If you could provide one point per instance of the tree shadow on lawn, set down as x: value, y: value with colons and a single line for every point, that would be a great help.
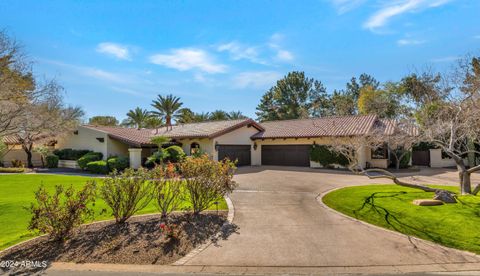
x: 139, y: 241
x: 419, y: 229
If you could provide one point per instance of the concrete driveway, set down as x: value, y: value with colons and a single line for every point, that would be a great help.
x: 281, y: 224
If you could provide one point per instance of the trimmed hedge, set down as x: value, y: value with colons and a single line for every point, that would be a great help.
x: 119, y: 163
x: 326, y: 157
x: 89, y: 157
x: 175, y: 154
x: 70, y: 154
x: 99, y: 167
x: 12, y: 170
x: 52, y: 161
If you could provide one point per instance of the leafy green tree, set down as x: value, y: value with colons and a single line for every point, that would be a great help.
x: 167, y: 108
x: 201, y: 117
x: 295, y: 96
x: 103, y: 121
x: 343, y: 104
x: 153, y: 122
x: 376, y: 101
x: 138, y: 117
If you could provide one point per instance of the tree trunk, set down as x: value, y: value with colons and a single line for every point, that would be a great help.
x: 29, y: 158
x: 465, y: 183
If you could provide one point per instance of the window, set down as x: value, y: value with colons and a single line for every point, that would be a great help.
x: 194, y: 148
x: 380, y: 153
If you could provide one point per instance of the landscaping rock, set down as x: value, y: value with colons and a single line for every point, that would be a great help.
x: 445, y: 196
x: 427, y: 202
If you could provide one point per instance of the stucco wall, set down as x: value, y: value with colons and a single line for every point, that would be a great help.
x: 206, y: 145
x: 19, y: 154
x: 116, y: 148
x: 85, y: 140
x: 436, y: 160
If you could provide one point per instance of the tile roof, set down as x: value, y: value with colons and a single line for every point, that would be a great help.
x: 141, y: 137
x: 318, y: 127
x: 15, y: 139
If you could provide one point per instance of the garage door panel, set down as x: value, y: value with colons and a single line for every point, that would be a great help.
x: 241, y: 153
x: 286, y: 155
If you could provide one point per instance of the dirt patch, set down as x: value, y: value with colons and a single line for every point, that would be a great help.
x: 139, y: 241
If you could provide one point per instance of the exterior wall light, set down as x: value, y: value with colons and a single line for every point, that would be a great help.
x: 255, y: 146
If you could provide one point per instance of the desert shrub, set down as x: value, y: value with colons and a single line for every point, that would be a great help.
x: 43, y: 151
x: 404, y: 162
x: 206, y: 181
x: 11, y: 170
x: 127, y: 193
x: 89, y: 157
x: 175, y: 154
x: 167, y: 188
x: 17, y: 163
x: 327, y: 157
x: 70, y: 154
x: 99, y: 167
x: 157, y: 157
x: 119, y: 163
x: 52, y: 161
x: 59, y: 213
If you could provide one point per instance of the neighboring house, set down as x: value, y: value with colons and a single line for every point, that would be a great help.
x: 283, y: 143
x: 15, y: 152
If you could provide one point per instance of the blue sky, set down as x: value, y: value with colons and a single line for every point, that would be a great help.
x: 112, y: 56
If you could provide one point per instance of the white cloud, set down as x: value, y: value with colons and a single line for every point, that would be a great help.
x: 187, y: 59
x: 113, y: 49
x: 281, y: 54
x: 260, y: 79
x: 395, y: 8
x: 343, y: 6
x: 407, y: 42
x: 239, y: 51
x: 445, y: 59
x: 284, y: 55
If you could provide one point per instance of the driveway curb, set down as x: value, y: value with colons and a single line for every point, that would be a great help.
x: 430, y: 243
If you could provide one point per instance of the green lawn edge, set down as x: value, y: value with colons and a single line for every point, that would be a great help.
x: 451, y: 225
x: 18, y: 192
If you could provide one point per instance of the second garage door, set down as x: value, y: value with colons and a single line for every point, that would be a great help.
x: 241, y: 153
x: 286, y: 155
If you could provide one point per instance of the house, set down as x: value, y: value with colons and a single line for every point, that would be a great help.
x: 283, y: 143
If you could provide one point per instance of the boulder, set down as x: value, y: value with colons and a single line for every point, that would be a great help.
x: 427, y: 202
x: 445, y: 196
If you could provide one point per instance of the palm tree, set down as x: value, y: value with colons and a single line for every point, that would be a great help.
x: 218, y: 115
x: 167, y: 107
x: 202, y: 117
x: 234, y: 115
x: 138, y: 117
x: 153, y: 122
x: 186, y: 116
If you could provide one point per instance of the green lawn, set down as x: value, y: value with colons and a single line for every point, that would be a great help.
x: 390, y: 206
x: 17, y: 191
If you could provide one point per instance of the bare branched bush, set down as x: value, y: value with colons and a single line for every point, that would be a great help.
x: 127, y: 193
x: 58, y: 214
x: 207, y: 181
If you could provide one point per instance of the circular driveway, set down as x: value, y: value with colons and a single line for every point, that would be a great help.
x: 281, y: 224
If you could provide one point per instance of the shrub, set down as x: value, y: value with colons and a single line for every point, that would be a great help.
x: 157, y: 157
x: 126, y: 193
x: 17, y: 163
x: 70, y: 154
x: 89, y: 157
x: 59, y: 213
x: 118, y: 163
x: 327, y: 157
x: 404, y: 162
x: 12, y: 170
x: 175, y: 154
x: 52, y: 161
x: 99, y: 167
x: 167, y: 188
x: 206, y: 181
